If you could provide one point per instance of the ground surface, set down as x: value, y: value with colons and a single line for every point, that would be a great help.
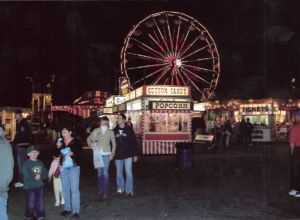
x: 234, y: 184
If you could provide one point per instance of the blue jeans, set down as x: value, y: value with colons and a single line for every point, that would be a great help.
x: 3, y: 207
x: 21, y: 158
x: 34, y: 203
x: 70, y: 188
x: 128, y: 185
x: 103, y: 176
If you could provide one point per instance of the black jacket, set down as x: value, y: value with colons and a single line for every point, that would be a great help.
x: 77, y: 150
x: 126, y: 144
x: 22, y: 138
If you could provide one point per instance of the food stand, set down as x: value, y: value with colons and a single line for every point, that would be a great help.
x: 161, y: 116
x: 264, y: 114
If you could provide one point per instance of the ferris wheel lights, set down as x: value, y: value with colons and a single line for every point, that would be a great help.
x: 162, y: 20
x: 171, y: 48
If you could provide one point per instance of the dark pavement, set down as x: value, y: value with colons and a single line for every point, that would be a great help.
x: 232, y: 184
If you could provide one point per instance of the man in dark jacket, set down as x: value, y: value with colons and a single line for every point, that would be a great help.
x: 21, y: 143
x: 127, y: 150
x: 249, y: 132
x: 6, y: 173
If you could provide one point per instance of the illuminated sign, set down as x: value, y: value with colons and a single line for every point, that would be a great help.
x: 200, y: 107
x: 122, y: 107
x: 167, y: 91
x: 171, y: 105
x: 134, y: 105
x: 257, y: 109
x: 107, y: 110
x: 139, y: 92
x: 114, y: 100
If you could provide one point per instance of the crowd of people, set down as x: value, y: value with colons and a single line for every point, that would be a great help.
x: 227, y: 134
x: 118, y: 144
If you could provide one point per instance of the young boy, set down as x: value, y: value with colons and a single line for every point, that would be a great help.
x: 34, y: 172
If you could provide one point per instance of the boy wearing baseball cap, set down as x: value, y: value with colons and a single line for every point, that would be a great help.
x: 34, y: 172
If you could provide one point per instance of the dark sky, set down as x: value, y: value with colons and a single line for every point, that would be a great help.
x: 80, y: 43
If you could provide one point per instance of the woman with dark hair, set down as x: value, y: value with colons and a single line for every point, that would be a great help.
x: 71, y: 154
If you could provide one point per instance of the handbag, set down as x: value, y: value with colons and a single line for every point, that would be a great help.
x: 98, y: 161
x: 56, y: 174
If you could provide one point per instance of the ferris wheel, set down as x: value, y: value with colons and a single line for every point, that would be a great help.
x: 171, y: 48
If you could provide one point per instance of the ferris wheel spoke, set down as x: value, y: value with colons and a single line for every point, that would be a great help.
x: 196, y: 76
x: 177, y: 78
x: 196, y: 51
x: 141, y: 56
x: 147, y: 47
x: 177, y: 37
x: 181, y: 77
x: 170, y: 36
x: 160, y: 33
x: 161, y: 48
x: 200, y: 59
x: 147, y: 66
x: 163, y: 73
x: 191, y: 81
x: 150, y: 75
x: 187, y: 34
x: 181, y: 54
x: 198, y: 68
x: 157, y: 71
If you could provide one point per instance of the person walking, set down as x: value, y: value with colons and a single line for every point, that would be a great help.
x: 71, y: 153
x: 243, y: 133
x: 21, y: 143
x: 127, y: 151
x: 249, y: 128
x: 102, y: 141
x: 295, y: 157
x: 34, y: 173
x: 227, y: 133
x: 6, y: 172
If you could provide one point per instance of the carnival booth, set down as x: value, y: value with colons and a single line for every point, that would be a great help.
x: 161, y: 116
x: 264, y: 114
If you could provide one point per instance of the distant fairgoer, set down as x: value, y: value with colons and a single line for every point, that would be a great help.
x: 295, y: 157
x: 129, y: 123
x: 249, y: 129
x: 243, y: 133
x: 227, y: 133
x: 21, y: 143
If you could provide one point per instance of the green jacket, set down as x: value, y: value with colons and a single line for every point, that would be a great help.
x: 105, y: 140
x: 29, y: 169
x: 6, y: 165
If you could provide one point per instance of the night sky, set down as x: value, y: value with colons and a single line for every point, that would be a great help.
x: 80, y: 43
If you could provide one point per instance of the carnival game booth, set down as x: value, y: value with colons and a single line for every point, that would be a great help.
x: 160, y: 115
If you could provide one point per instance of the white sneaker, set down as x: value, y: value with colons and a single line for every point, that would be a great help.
x: 292, y: 192
x: 62, y: 202
x: 18, y: 185
x: 297, y: 195
x: 120, y: 191
x: 56, y: 204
